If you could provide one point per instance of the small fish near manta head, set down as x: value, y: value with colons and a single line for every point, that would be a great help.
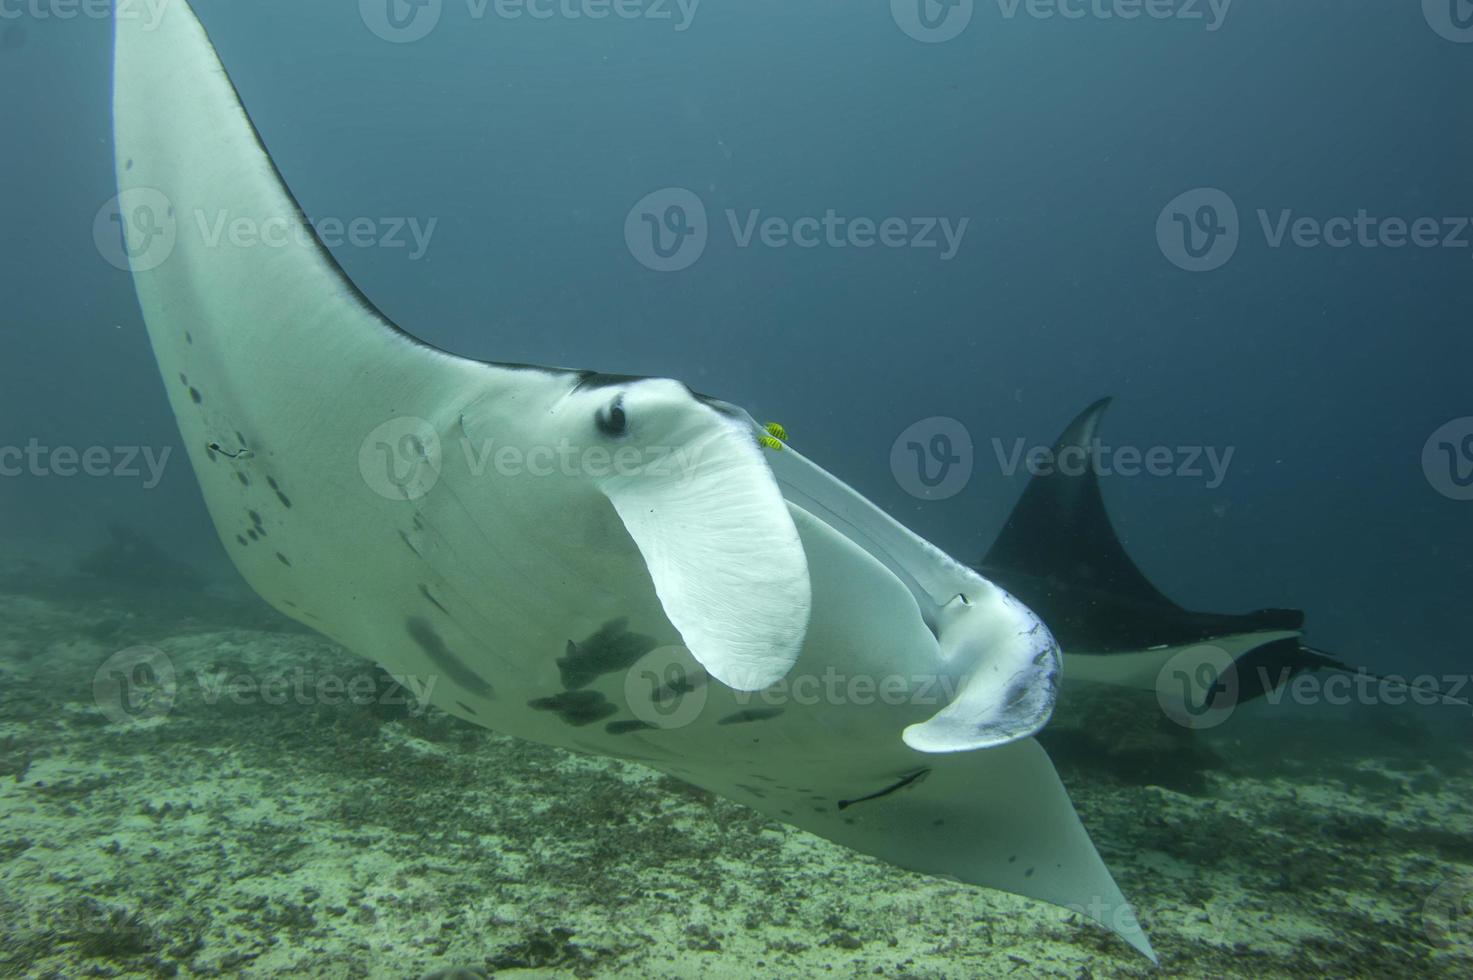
x: 414, y: 506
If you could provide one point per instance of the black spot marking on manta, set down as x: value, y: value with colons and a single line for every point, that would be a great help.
x: 285, y: 500
x: 184, y: 379
x: 253, y: 534
x: 288, y: 603
x: 625, y: 727
x: 188, y: 337
x: 749, y: 714
x: 612, y: 648
x: 242, y: 539
x: 129, y: 164
x: 465, y: 707
x: 425, y: 591
x: 1029, y: 873
x: 938, y: 823
x: 682, y: 685
x: 434, y: 647
x: 283, y: 559
x: 255, y: 517
x: 196, y: 397
x: 577, y: 708
x: 914, y: 777
x: 245, y: 481
x: 1012, y: 858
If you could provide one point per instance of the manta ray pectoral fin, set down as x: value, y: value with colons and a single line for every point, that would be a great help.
x: 716, y: 536
x: 1010, y: 668
x: 999, y: 819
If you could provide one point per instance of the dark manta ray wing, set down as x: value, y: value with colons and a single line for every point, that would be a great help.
x: 1059, y: 553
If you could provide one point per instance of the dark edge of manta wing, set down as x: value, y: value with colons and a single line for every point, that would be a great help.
x: 586, y: 378
x: 1060, y: 554
x: 334, y: 265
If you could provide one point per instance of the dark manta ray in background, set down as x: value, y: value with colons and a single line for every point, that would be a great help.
x: 1059, y: 553
x: 650, y: 613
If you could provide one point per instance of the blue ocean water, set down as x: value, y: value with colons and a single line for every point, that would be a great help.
x: 1060, y: 140
x: 874, y: 222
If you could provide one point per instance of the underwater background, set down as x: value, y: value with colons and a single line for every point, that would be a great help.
x: 1071, y: 150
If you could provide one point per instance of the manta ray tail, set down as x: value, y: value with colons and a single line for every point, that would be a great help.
x: 1321, y: 660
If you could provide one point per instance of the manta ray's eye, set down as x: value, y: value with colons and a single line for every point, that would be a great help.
x: 613, y: 420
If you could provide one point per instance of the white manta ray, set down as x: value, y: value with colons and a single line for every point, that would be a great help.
x: 686, y: 593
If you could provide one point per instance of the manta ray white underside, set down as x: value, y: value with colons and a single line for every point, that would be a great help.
x: 729, y: 614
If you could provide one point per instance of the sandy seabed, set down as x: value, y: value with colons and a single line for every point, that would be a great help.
x: 339, y: 831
